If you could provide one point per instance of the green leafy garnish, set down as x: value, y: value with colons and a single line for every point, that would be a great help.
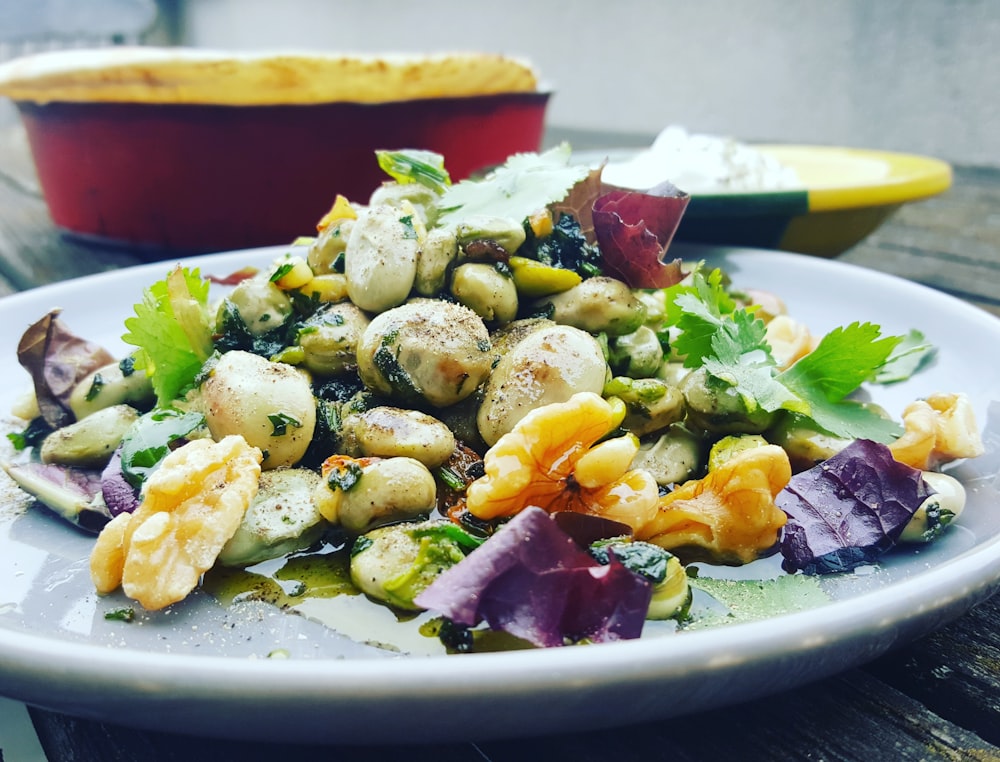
x: 413, y: 166
x: 172, y: 330
x: 280, y: 423
x: 344, y: 475
x: 731, y: 344
x: 281, y: 271
x: 699, y: 310
x: 527, y: 183
x: 95, y: 387
x: 451, y: 479
x: 844, y: 359
x: 32, y: 436
x: 909, y: 356
x: 148, y: 441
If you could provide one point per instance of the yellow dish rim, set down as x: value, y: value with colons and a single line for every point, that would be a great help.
x: 909, y: 177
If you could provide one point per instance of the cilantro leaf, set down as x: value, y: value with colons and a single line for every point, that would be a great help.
x: 171, y: 329
x: 526, y: 183
x: 731, y: 345
x: 697, y: 309
x: 909, y: 356
x: 843, y: 360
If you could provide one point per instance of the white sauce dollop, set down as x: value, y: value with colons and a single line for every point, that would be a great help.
x: 701, y: 164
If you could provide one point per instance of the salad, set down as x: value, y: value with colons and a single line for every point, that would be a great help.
x: 497, y: 402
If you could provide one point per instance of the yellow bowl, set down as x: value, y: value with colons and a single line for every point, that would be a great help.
x: 847, y: 194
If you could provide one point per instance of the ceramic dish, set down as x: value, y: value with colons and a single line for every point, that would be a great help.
x: 190, y: 150
x: 847, y: 194
x: 202, y: 668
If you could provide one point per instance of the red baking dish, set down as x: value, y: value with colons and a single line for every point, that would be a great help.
x: 194, y: 177
x: 203, y: 177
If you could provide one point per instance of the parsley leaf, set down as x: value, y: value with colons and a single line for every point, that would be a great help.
x: 843, y: 360
x: 698, y: 310
x: 910, y: 355
x: 731, y: 345
x: 171, y: 329
x: 527, y: 183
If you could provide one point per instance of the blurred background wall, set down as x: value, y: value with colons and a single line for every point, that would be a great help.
x: 909, y: 75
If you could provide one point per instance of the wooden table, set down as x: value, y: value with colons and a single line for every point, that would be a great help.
x: 936, y: 698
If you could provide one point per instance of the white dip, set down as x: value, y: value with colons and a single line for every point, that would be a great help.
x: 701, y: 164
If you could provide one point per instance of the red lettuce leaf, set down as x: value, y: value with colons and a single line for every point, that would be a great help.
x: 119, y: 495
x: 71, y: 493
x: 848, y: 510
x: 533, y: 581
x: 634, y: 230
x: 57, y: 361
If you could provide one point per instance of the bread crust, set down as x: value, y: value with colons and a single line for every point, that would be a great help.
x: 196, y: 76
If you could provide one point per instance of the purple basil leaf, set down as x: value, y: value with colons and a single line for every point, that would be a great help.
x: 531, y: 580
x: 586, y: 528
x: 72, y: 493
x: 634, y: 230
x: 57, y: 361
x: 119, y: 495
x: 848, y: 510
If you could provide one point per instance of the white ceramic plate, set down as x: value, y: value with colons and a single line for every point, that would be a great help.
x: 201, y: 668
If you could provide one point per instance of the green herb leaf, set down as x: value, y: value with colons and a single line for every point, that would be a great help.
x: 344, y: 476
x: 844, y: 359
x: 698, y: 310
x: 172, y: 330
x: 413, y: 166
x: 280, y: 423
x: 281, y: 271
x: 527, y: 183
x: 148, y: 441
x: 909, y: 356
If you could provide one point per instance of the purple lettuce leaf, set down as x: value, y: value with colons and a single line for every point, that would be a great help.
x: 634, y: 230
x: 119, y: 495
x: 72, y: 493
x: 533, y: 581
x: 57, y: 361
x: 848, y: 510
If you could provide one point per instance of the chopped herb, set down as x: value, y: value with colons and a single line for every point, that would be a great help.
x: 120, y: 615
x: 451, y: 479
x: 280, y: 423
x: 149, y: 439
x: 32, y: 436
x: 127, y: 366
x: 95, y: 388
x: 344, y: 476
x: 281, y: 271
x: 411, y: 232
x: 360, y: 545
